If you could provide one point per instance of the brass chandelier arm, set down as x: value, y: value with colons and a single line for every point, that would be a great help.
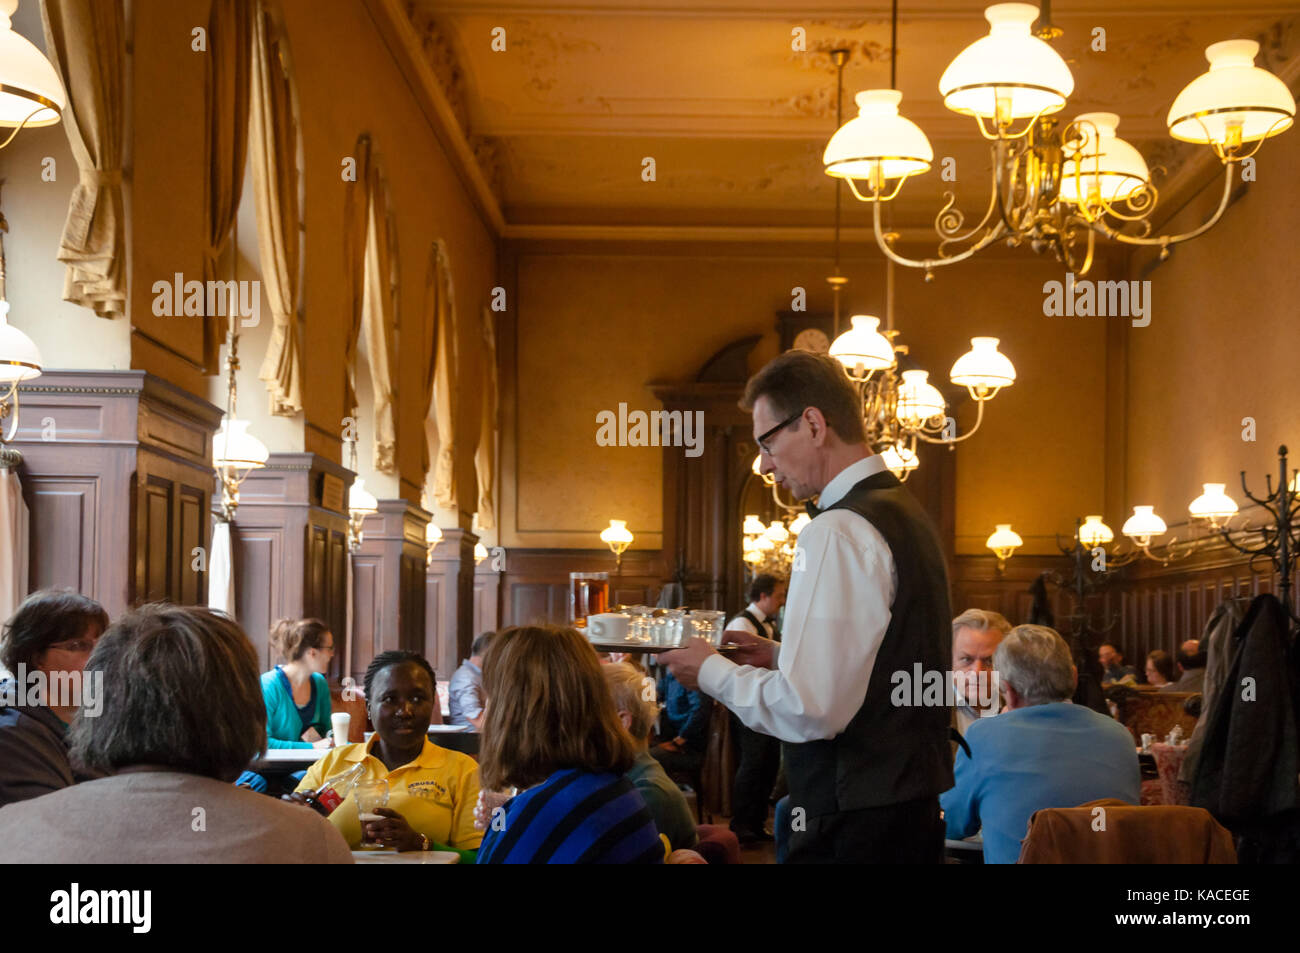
x: 1166, y: 240
x: 930, y: 263
x: 979, y: 419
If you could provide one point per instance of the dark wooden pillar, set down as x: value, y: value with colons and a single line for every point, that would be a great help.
x: 388, y: 584
x: 449, y: 602
x: 117, y: 474
x: 291, y: 550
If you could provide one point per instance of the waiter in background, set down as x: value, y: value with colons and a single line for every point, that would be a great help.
x: 868, y: 598
x: 760, y: 754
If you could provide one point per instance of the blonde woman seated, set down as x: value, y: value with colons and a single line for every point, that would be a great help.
x: 551, y: 731
x: 432, y: 791
x: 638, y: 707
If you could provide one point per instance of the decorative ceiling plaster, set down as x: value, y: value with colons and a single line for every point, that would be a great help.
x: 736, y: 120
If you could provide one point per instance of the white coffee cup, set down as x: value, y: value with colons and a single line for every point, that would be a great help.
x: 608, y: 627
x: 341, y: 722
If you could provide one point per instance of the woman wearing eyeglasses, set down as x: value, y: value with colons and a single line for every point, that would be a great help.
x: 45, y: 647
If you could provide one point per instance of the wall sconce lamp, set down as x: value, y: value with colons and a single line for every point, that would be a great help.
x: 617, y: 537
x: 1004, y: 542
x: 361, y: 503
x: 432, y: 537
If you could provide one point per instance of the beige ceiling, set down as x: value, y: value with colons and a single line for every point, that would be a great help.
x: 736, y: 121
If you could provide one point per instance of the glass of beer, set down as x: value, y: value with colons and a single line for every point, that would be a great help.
x: 588, y: 595
x: 371, y: 794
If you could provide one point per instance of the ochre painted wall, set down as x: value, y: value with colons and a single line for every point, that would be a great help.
x: 1223, y: 345
x: 593, y: 329
x: 339, y: 98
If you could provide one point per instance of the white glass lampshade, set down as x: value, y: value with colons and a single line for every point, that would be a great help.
x: 1094, y: 532
x: 748, y: 544
x: 432, y: 534
x: 764, y: 544
x: 20, y: 360
x: 777, y: 532
x: 1104, y: 166
x: 1004, y: 540
x: 1232, y: 94
x: 862, y: 349
x: 616, y: 534
x: 28, y: 81
x: 1143, y: 524
x: 753, y: 525
x: 918, y: 399
x: 1010, y: 68
x: 1213, y: 504
x: 798, y: 523
x: 878, y: 138
x: 983, y: 367
x: 361, y: 500
x: 753, y: 557
x: 233, y: 446
x: 480, y: 553
x: 899, y: 460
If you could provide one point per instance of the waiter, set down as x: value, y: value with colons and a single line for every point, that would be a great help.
x: 868, y: 598
x: 760, y: 754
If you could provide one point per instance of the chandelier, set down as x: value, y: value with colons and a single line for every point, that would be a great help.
x: 771, y: 548
x: 900, y: 406
x: 1056, y: 187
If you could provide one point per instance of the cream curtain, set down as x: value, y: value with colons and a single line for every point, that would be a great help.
x: 85, y: 40
x: 226, y: 92
x: 356, y: 219
x: 221, y: 570
x: 440, y: 408
x: 379, y: 325
x: 486, y: 454
x: 273, y: 146
x: 14, y: 539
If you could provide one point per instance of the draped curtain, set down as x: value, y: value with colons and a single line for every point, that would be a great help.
x: 226, y: 95
x: 379, y: 324
x: 485, y: 455
x: 273, y: 147
x: 221, y: 570
x: 85, y: 40
x: 356, y: 218
x: 440, y: 377
x: 14, y: 541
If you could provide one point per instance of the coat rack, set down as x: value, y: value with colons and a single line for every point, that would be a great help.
x: 1281, y: 536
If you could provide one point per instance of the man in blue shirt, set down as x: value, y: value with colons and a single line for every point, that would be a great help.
x: 1042, y: 751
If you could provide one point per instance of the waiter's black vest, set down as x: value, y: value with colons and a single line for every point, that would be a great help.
x: 888, y: 754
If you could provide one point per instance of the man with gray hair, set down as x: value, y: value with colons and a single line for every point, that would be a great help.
x: 976, y: 634
x: 1042, y: 751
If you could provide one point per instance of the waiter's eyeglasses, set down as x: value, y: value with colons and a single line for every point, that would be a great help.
x: 765, y: 437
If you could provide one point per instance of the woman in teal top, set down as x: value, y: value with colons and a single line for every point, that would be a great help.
x: 296, y: 694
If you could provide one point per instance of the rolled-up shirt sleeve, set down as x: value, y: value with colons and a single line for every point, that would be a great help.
x: 836, y: 617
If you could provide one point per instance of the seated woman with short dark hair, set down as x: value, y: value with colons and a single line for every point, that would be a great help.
x: 182, y: 716
x: 432, y: 791
x: 550, y: 729
x: 45, y: 644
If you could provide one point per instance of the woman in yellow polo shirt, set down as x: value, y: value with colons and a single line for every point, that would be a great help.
x: 432, y: 791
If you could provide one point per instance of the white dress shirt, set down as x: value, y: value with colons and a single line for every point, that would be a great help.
x: 836, y: 614
x: 744, y: 625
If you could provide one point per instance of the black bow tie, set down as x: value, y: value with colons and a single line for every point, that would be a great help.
x: 811, y: 508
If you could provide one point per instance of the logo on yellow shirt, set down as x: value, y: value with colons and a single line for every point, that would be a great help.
x: 434, y: 791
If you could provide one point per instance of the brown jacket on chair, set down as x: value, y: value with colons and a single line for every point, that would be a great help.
x: 1126, y: 834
